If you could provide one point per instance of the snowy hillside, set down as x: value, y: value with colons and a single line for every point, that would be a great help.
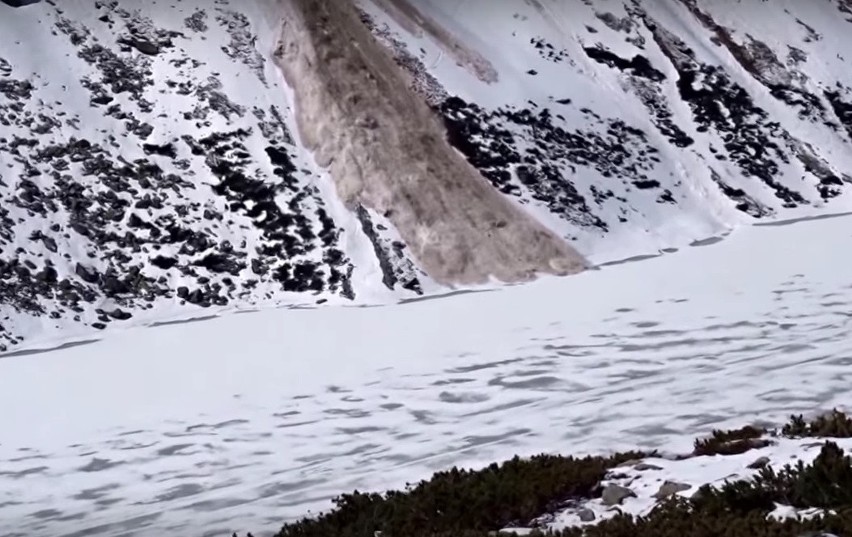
x: 156, y: 163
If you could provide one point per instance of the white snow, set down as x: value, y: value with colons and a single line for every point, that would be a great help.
x: 243, y: 421
x: 696, y: 472
x: 501, y: 33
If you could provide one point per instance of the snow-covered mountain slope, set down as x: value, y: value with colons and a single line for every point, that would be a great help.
x: 638, y: 123
x: 154, y: 161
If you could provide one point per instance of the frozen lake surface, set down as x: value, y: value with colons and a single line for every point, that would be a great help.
x: 244, y: 421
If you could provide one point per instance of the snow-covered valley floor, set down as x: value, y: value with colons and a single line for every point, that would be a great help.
x: 243, y: 421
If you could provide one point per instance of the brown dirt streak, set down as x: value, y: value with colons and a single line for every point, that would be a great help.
x: 386, y: 150
x: 415, y: 22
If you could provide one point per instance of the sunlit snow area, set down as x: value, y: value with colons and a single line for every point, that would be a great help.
x: 208, y: 324
x: 244, y: 421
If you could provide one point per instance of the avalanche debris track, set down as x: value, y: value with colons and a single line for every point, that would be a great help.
x: 386, y: 150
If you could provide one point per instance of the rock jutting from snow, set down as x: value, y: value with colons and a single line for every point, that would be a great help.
x: 615, y: 494
x: 670, y: 488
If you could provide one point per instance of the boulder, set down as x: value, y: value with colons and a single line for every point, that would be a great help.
x: 760, y: 462
x: 586, y: 515
x: 615, y: 494
x: 670, y: 488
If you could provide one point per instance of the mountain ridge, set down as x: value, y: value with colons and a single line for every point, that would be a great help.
x: 153, y: 165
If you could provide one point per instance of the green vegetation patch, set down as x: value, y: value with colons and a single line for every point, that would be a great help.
x: 835, y: 424
x: 732, y: 442
x: 461, y: 500
x: 465, y: 503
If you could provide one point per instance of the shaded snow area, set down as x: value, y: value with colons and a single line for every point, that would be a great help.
x: 156, y: 165
x: 243, y: 421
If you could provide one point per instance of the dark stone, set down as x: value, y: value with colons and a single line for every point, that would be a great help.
x: 86, y: 273
x: 120, y: 314
x: 638, y: 65
x: 164, y: 150
x: 20, y: 3
x: 144, y: 46
x: 615, y: 494
x: 163, y: 262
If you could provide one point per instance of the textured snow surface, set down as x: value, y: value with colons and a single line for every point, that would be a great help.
x: 246, y: 420
x: 151, y: 168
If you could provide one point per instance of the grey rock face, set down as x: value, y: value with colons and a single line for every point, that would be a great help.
x: 586, y: 515
x: 670, y: 488
x: 615, y: 494
x: 761, y: 462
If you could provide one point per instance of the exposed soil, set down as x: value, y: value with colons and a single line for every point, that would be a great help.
x: 386, y: 150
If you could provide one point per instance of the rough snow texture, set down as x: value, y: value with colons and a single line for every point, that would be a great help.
x: 151, y: 166
x: 244, y: 421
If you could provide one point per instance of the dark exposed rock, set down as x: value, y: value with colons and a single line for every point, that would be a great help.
x: 842, y: 109
x: 638, y: 65
x: 397, y: 268
x: 20, y: 3
x: 489, y: 140
x: 744, y: 202
x: 721, y: 104
x: 670, y: 488
x: 197, y: 22
x: 16, y: 89
x: 86, y: 273
x: 242, y: 45
x: 586, y: 515
x: 163, y: 262
x: 120, y: 315
x: 144, y: 46
x: 760, y: 462
x: 165, y: 150
x: 615, y: 494
x: 220, y: 263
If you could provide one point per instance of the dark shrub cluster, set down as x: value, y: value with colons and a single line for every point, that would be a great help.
x: 454, y: 501
x: 826, y: 484
x: 732, y: 442
x: 464, y: 503
x: 835, y: 424
x: 676, y: 518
